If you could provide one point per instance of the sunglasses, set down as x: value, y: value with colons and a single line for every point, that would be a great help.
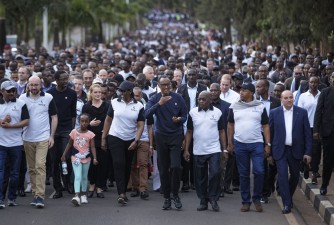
x: 13, y: 90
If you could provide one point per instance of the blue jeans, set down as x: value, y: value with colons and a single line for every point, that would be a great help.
x: 245, y: 152
x: 207, y: 170
x: 15, y: 154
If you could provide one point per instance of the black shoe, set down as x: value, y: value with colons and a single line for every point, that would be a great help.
x: 177, y: 202
x: 21, y: 193
x: 58, y: 194
x: 185, y: 188
x: 228, y: 191
x: 90, y: 194
x: 286, y: 210
x: 214, y: 205
x: 70, y: 189
x: 235, y: 189
x: 202, y: 207
x: 222, y: 194
x: 323, y: 190
x: 135, y: 193
x: 264, y: 200
x: 167, y: 204
x: 144, y: 195
x: 100, y: 195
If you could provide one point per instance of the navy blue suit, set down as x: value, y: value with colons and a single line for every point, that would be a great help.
x: 289, y: 156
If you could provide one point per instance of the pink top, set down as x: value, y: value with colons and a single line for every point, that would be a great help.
x: 81, y: 143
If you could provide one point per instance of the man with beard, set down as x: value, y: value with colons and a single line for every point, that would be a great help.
x: 66, y: 100
x: 39, y: 136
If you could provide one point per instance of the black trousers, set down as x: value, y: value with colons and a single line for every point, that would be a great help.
x: 270, y: 172
x: 122, y: 159
x: 169, y: 162
x: 316, y: 155
x: 98, y: 174
x: 231, y: 173
x: 23, y: 170
x: 188, y: 166
x: 328, y: 158
x: 207, y: 169
x: 61, y: 139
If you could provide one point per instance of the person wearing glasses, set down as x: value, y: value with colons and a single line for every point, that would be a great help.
x: 39, y: 136
x: 171, y: 112
x: 14, y: 116
x: 292, y: 83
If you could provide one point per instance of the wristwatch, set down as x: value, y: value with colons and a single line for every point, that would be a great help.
x: 269, y: 144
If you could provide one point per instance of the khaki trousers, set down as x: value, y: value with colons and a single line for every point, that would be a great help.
x: 36, y: 157
x: 139, y: 172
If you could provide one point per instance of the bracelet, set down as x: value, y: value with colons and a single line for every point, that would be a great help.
x: 151, y: 146
x: 225, y: 151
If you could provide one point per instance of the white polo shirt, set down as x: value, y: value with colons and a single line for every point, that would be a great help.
x: 205, y: 126
x: 40, y: 110
x: 309, y: 102
x: 124, y: 118
x: 248, y: 123
x: 18, y: 111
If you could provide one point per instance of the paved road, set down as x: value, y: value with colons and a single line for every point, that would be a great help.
x: 140, y: 212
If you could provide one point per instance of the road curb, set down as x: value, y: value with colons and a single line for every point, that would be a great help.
x: 321, y: 203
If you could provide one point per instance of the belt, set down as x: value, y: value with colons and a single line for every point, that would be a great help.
x: 288, y: 146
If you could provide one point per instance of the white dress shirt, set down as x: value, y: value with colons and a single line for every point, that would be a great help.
x: 309, y: 102
x: 288, y: 116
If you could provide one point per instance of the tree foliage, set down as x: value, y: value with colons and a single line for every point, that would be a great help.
x: 23, y: 16
x: 275, y: 22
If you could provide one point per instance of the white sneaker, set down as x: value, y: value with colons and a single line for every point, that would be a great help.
x: 28, y: 189
x: 76, y: 201
x: 83, y: 199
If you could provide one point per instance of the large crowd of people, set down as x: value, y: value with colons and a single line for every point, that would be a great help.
x: 173, y: 93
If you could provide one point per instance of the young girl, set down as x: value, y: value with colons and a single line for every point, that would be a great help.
x: 82, y: 141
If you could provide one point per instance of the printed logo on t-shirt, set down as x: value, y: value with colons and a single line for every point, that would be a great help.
x: 133, y: 108
x: 15, y: 109
x: 212, y: 117
x: 41, y: 103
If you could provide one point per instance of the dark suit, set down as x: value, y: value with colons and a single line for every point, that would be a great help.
x: 188, y: 166
x: 288, y: 83
x: 226, y: 176
x: 183, y: 90
x: 324, y: 125
x: 289, y: 156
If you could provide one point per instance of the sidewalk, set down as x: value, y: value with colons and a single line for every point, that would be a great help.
x: 322, y: 204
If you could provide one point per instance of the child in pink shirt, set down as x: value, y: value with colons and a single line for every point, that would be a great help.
x: 82, y: 141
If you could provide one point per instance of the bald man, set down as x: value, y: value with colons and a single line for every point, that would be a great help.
x: 202, y: 119
x: 103, y: 74
x: 289, y: 148
x: 39, y: 136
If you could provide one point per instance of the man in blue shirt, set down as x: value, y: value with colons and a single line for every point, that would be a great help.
x: 171, y: 112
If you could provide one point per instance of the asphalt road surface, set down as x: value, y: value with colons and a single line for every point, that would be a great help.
x: 145, y: 212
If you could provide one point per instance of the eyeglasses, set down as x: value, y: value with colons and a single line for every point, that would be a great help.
x: 122, y: 91
x: 13, y: 90
x: 298, y: 73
